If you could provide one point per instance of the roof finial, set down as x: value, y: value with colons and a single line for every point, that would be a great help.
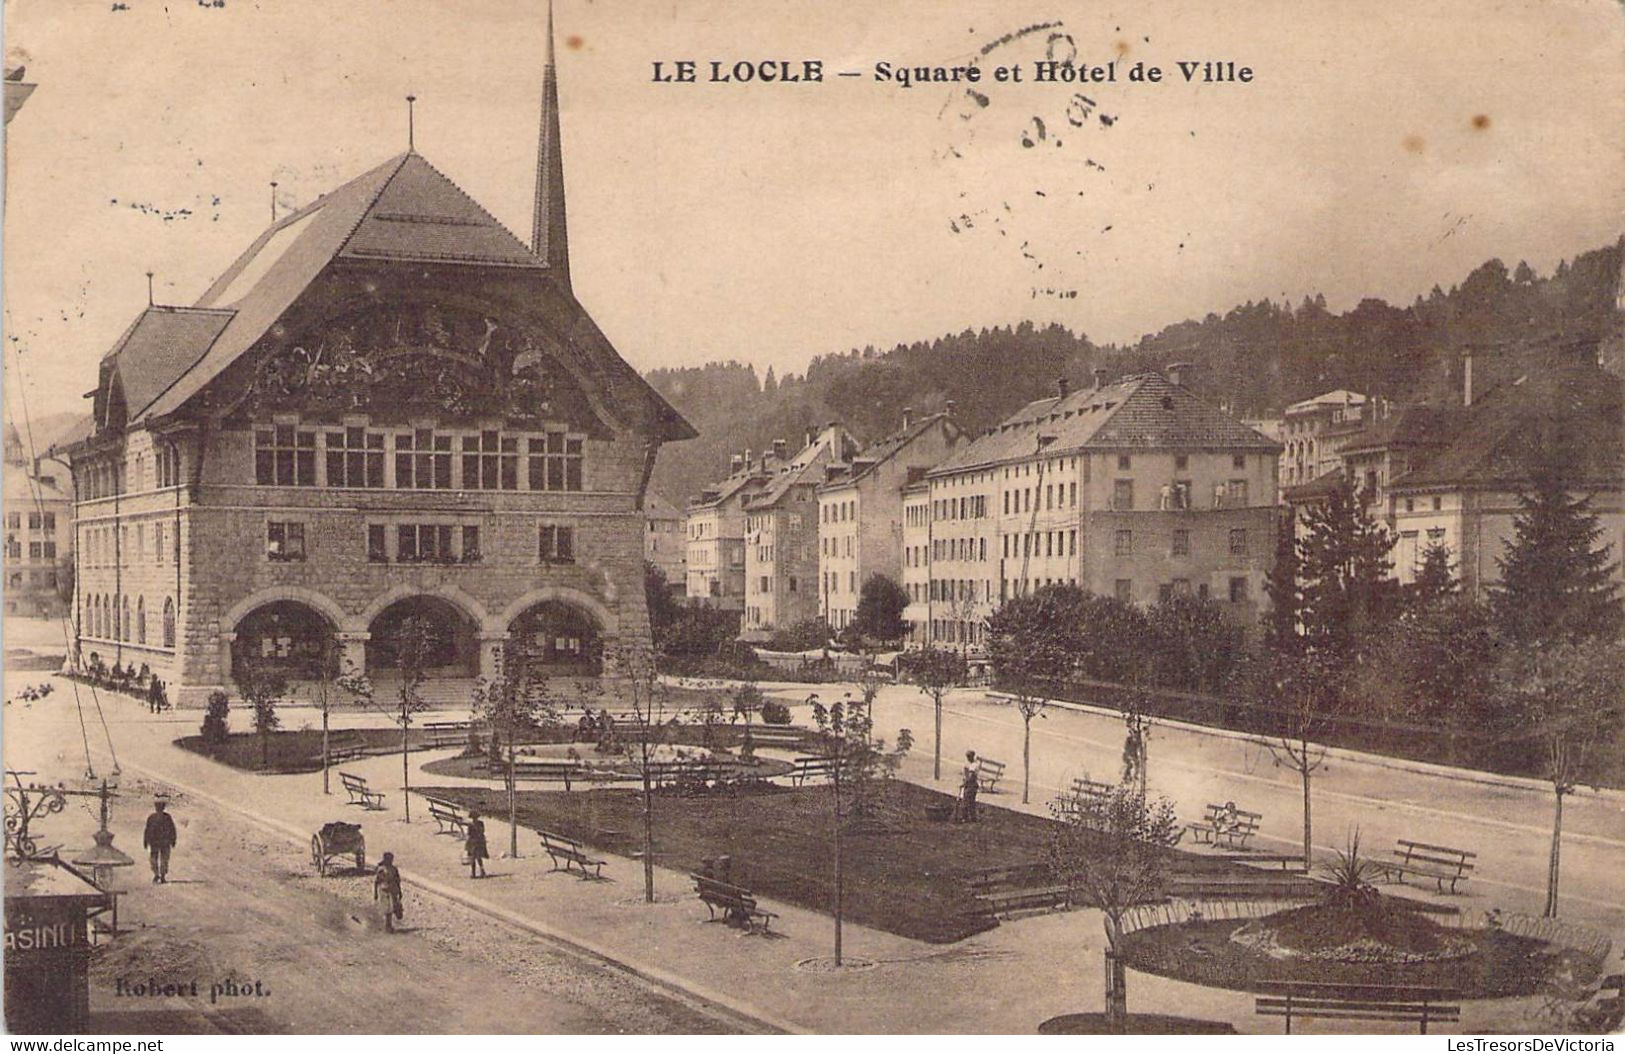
x: 273, y: 201
x: 149, y: 289
x: 411, y: 131
x: 549, y: 237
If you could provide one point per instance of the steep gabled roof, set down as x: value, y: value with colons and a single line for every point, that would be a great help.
x: 1145, y: 411
x: 1408, y: 427
x: 1578, y: 410
x: 871, y: 457
x: 404, y: 210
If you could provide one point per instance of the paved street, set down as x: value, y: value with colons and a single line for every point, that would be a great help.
x: 257, y: 905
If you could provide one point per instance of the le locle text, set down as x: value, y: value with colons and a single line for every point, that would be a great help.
x: 814, y: 71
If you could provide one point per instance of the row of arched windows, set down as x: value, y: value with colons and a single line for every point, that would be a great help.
x: 109, y: 618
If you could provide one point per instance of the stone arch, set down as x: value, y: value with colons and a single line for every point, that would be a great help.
x: 560, y: 635
x: 473, y: 609
x: 309, y: 597
x: 608, y: 623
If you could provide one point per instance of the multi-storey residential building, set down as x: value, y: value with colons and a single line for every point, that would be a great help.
x: 1136, y: 489
x: 39, y: 534
x: 388, y: 408
x: 1307, y: 457
x: 664, y: 544
x: 1465, y: 494
x: 714, y: 530
x: 917, y: 559
x: 860, y: 510
x: 781, y: 535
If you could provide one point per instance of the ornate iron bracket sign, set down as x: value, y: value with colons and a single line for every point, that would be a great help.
x: 26, y: 802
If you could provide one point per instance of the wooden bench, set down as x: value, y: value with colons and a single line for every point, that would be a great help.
x: 1440, y: 863
x: 448, y: 815
x: 988, y: 774
x: 806, y: 768
x: 686, y: 775
x: 553, y: 771
x: 775, y: 735
x: 345, y: 745
x: 360, y: 794
x: 447, y: 733
x: 1086, y: 801
x: 732, y: 899
x: 1358, y: 1002
x: 570, y: 852
x: 1214, y: 828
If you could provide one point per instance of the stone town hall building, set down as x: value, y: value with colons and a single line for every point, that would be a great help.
x: 389, y: 406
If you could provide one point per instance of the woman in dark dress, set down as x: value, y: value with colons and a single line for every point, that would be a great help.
x: 474, y: 846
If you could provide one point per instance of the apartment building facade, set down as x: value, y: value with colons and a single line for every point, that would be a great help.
x: 860, y: 510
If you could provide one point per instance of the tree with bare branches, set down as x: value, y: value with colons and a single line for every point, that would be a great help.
x: 513, y: 702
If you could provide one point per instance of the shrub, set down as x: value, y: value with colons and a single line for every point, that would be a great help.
x: 216, y: 719
x: 774, y: 712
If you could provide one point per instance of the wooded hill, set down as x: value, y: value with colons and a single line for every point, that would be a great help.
x: 1257, y: 358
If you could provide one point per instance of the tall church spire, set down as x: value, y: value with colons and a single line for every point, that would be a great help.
x: 549, y: 239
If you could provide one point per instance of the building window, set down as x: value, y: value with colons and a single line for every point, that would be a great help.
x: 423, y: 543
x: 377, y: 544
x: 1238, y: 590
x: 557, y: 545
x: 422, y: 461
x: 159, y: 546
x: 14, y: 521
x: 33, y: 521
x: 792, y: 583
x: 169, y: 622
x: 1438, y: 503
x: 471, y: 545
x: 1182, y: 543
x: 1123, y: 462
x: 141, y: 620
x: 1123, y: 589
x: 1123, y: 495
x: 555, y: 462
x: 1238, y: 541
x: 1238, y: 494
x: 1123, y: 543
x: 1182, y: 461
x: 1236, y: 461
x: 490, y: 462
x: 285, y: 542
x: 284, y: 457
x: 355, y: 458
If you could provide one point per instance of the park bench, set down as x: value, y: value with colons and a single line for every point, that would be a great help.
x: 447, y: 733
x: 448, y: 815
x: 549, y: 770
x: 1211, y: 831
x: 988, y: 774
x: 1286, y: 861
x: 1086, y: 800
x: 1358, y: 1002
x: 804, y: 769
x: 568, y: 850
x: 345, y: 745
x: 776, y: 735
x: 360, y: 794
x: 1018, y: 887
x: 730, y: 898
x: 1261, y: 885
x: 1440, y: 863
x: 686, y: 775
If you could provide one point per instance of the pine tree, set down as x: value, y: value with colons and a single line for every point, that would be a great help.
x: 1344, y: 571
x: 1281, y: 586
x: 1436, y: 579
x: 1556, y: 583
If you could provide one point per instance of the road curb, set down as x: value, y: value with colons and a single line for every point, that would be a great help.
x: 1358, y: 757
x: 678, y: 988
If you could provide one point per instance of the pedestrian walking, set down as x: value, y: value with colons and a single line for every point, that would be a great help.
x: 474, y: 846
x: 969, y: 784
x: 159, y: 838
x: 386, y: 886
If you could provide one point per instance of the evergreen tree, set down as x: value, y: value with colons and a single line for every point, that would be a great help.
x: 1436, y: 579
x: 879, y: 616
x: 1281, y: 586
x: 1556, y: 583
x: 1343, y: 568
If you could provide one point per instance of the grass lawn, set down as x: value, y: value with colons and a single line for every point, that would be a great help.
x: 1202, y: 952
x: 292, y: 752
x: 906, y: 875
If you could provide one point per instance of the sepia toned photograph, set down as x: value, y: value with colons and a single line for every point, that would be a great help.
x: 942, y: 517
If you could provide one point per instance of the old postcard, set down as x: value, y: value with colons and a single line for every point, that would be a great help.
x: 961, y: 517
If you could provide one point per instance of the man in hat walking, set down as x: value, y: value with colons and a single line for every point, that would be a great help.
x: 159, y: 838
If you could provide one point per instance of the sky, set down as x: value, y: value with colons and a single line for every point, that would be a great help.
x: 1380, y: 148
